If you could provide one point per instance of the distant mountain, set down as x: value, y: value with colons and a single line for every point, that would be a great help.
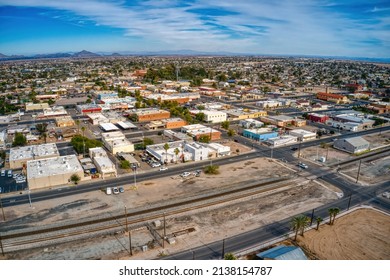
x: 3, y: 55
x: 115, y: 54
x: 52, y: 55
x: 85, y: 53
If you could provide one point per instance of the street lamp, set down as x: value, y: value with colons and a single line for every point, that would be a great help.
x: 1, y: 205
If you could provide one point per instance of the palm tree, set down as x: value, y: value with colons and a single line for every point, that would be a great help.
x: 78, y: 126
x: 319, y: 220
x: 230, y: 133
x: 330, y: 211
x: 304, y: 222
x: 229, y: 256
x: 335, y: 212
x: 166, y: 148
x: 176, y: 151
x: 296, y: 225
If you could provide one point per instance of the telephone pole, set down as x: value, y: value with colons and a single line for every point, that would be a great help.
x: 357, y: 177
x: 1, y: 205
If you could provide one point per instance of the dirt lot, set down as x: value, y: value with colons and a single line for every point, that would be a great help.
x: 209, y: 224
x: 360, y: 235
x: 314, y: 153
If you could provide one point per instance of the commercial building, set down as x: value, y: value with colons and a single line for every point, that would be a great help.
x: 281, y: 140
x: 380, y: 107
x: 97, y: 118
x: 36, y: 106
x: 170, y: 123
x: 102, y: 162
x: 197, y: 130
x: 126, y: 125
x: 180, y: 98
x: 108, y: 127
x: 211, y: 116
x: 265, y: 104
x: 283, y: 121
x: 176, y: 136
x: 349, y: 126
x: 251, y: 123
x: 318, y: 117
x: 116, y: 142
x: 352, y: 145
x: 332, y: 97
x: 260, y: 134
x: 54, y: 171
x: 147, y: 115
x: 303, y: 135
x: 65, y: 121
x: 18, y: 157
x: 235, y: 114
x: 218, y: 150
x: 88, y: 108
x: 52, y: 112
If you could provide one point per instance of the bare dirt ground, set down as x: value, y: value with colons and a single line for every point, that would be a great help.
x: 209, y: 224
x: 333, y: 155
x: 360, y: 235
x: 371, y: 172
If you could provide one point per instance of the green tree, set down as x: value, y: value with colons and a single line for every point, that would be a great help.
x: 200, y: 117
x: 19, y: 140
x: 231, y: 133
x: 124, y: 164
x: 229, y: 256
x: 44, y: 136
x: 204, y: 139
x: 41, y: 127
x: 200, y: 107
x: 211, y: 169
x: 147, y: 142
x: 75, y: 178
x: 78, y: 125
x: 298, y: 223
x: 166, y: 148
x: 333, y: 212
x: 176, y: 151
x: 225, y: 125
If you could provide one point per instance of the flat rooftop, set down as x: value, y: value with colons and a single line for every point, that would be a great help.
x: 31, y: 152
x: 53, y: 166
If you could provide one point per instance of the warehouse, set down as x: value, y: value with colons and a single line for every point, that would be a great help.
x: 116, y: 142
x: 260, y: 134
x: 352, y: 145
x: 19, y: 156
x: 53, y: 171
x: 303, y: 135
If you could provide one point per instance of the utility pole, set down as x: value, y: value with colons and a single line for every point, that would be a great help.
x: 29, y: 197
x: 223, y: 248
x: 1, y: 205
x: 165, y: 231
x: 349, y: 201
x: 312, y: 217
x: 299, y: 151
x: 357, y: 177
x: 272, y: 152
x: 327, y: 152
x: 130, y: 247
x: 127, y: 225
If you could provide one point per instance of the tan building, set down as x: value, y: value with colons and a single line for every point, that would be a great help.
x: 196, y: 131
x: 174, y: 123
x: 102, y: 162
x: 283, y: 121
x: 65, y: 121
x: 152, y: 115
x: 18, y: 157
x: 116, y: 142
x: 54, y: 171
x: 332, y: 97
x: 36, y: 106
x: 235, y: 114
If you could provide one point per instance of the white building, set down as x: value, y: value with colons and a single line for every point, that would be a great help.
x: 218, y: 149
x: 198, y: 151
x: 251, y: 123
x: 19, y: 156
x: 264, y: 104
x: 116, y: 142
x: 303, y: 135
x: 97, y: 118
x: 281, y: 140
x: 52, y: 112
x: 102, y: 162
x: 211, y: 116
x: 3, y: 137
x: 53, y: 171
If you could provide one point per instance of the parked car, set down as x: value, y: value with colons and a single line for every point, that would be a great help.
x: 115, y: 190
x: 2, y: 173
x: 121, y: 190
x: 294, y: 149
x: 185, y: 174
x: 108, y: 191
x: 163, y: 168
x: 302, y: 165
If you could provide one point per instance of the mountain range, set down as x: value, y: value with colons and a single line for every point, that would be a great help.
x: 88, y: 54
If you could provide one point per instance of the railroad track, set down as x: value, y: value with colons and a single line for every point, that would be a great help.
x: 36, y: 238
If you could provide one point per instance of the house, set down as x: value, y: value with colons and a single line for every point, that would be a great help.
x: 352, y: 145
x: 283, y: 252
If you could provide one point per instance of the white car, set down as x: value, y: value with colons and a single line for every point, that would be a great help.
x: 185, y: 174
x: 115, y: 190
x: 163, y: 168
x: 302, y: 165
x: 108, y: 191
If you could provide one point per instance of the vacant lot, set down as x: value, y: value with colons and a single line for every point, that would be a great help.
x: 360, y: 235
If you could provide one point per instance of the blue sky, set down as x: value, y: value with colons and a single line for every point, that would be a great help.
x: 355, y: 28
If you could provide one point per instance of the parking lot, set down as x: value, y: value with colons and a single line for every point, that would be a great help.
x: 8, y: 184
